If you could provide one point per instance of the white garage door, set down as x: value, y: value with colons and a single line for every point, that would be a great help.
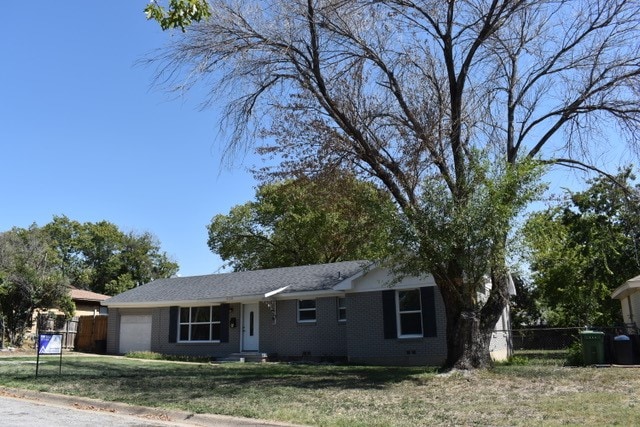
x: 135, y: 333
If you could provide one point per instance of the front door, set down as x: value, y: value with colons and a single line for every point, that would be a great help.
x: 250, y: 327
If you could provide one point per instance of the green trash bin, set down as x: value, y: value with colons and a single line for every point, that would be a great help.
x: 592, y: 347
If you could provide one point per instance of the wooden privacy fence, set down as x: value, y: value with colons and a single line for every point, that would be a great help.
x: 92, y: 334
x: 49, y: 322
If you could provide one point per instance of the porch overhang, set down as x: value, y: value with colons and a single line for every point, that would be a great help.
x: 626, y: 289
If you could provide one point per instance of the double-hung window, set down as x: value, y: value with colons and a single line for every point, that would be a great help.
x: 200, y: 324
x: 306, y: 311
x: 342, y: 309
x: 409, y: 312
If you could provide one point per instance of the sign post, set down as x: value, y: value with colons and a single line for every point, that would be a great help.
x: 49, y: 344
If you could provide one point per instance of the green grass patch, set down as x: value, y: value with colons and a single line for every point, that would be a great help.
x: 542, y: 357
x: 517, y: 394
x: 514, y: 360
x: 149, y: 355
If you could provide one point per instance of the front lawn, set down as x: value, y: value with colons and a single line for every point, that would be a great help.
x: 520, y: 394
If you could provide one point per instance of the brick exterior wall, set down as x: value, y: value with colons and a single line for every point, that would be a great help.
x: 113, y: 331
x: 324, y: 339
x: 366, y: 342
x: 212, y: 350
x: 160, y: 334
x: 360, y: 339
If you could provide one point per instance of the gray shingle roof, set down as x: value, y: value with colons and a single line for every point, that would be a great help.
x: 228, y: 286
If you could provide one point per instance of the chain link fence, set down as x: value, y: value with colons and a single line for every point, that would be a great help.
x: 559, y: 338
x: 544, y: 338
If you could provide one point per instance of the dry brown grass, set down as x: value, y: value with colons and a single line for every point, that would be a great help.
x: 533, y: 394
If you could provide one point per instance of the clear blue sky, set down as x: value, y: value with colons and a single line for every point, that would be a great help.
x: 83, y: 134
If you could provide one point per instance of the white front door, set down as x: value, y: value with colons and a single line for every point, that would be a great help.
x: 250, y: 327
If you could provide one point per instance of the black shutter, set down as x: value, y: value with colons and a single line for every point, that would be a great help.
x: 224, y: 323
x: 389, y: 314
x: 428, y: 299
x: 173, y: 323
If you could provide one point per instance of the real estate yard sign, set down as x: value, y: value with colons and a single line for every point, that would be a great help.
x: 49, y: 344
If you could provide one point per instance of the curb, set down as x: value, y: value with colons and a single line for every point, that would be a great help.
x: 176, y: 417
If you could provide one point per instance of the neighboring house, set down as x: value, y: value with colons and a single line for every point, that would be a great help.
x: 88, y: 303
x: 629, y: 295
x: 339, y: 311
x: 88, y: 307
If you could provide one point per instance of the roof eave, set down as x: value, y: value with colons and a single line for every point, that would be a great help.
x: 622, y: 291
x: 170, y: 303
x: 347, y: 283
x: 307, y: 294
x: 627, y: 288
x: 227, y: 300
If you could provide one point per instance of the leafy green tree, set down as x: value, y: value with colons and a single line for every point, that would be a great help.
x: 328, y: 218
x: 445, y: 104
x: 177, y: 13
x: 584, y: 249
x: 30, y: 279
x: 525, y: 310
x: 100, y: 257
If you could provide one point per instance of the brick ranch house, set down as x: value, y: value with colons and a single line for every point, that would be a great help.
x: 339, y: 311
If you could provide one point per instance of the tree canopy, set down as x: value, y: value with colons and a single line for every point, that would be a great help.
x: 326, y: 218
x: 38, y: 264
x: 524, y: 309
x: 102, y: 258
x: 30, y: 279
x: 448, y: 105
x: 585, y: 248
x: 177, y: 13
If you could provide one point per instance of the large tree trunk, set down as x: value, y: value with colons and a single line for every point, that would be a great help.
x: 470, y: 321
x: 467, y: 344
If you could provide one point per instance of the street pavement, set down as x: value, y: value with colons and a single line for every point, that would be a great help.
x: 28, y: 413
x: 25, y: 408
